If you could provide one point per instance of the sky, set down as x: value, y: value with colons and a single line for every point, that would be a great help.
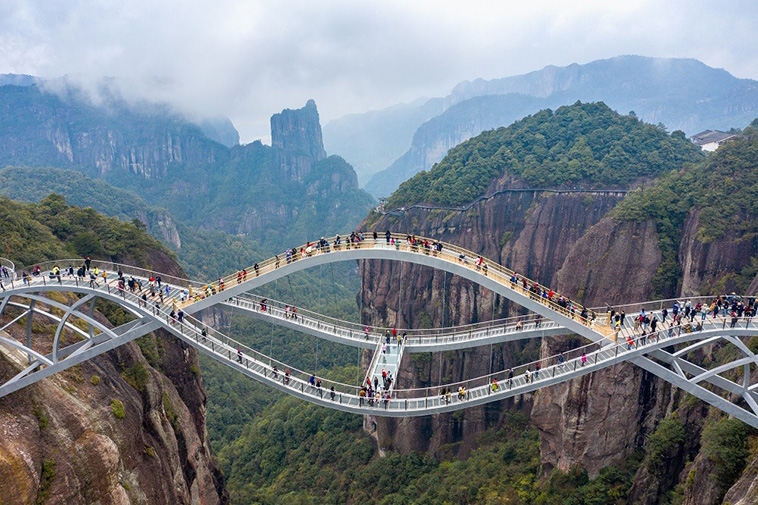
x: 249, y: 59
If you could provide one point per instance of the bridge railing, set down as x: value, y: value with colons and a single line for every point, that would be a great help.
x: 357, y: 330
x: 111, y: 267
x: 502, y: 274
x: 657, y: 306
x: 449, y: 252
x: 214, y: 339
x: 222, y: 344
x: 419, y: 398
x: 577, y: 357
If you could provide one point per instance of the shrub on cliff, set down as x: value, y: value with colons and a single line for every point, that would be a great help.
x: 52, y: 229
x: 725, y: 443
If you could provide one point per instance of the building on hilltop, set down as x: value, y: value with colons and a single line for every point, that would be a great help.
x: 710, y: 140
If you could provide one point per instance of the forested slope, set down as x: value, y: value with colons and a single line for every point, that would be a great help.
x: 586, y: 145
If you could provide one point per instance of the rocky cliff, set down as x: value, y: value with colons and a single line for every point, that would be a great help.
x: 299, y: 131
x: 64, y: 440
x: 264, y: 191
x: 532, y: 232
x: 579, y: 244
x: 125, y: 427
x: 42, y: 128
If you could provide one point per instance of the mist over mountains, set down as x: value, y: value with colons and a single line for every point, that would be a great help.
x: 683, y: 94
x: 197, y: 171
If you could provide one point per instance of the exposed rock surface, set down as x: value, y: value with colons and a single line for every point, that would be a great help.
x: 709, y: 266
x: 158, y: 453
x: 299, y: 131
x: 47, y: 129
x: 274, y: 192
x: 531, y: 232
x: 64, y: 440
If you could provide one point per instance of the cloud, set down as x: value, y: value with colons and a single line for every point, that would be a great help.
x: 250, y: 59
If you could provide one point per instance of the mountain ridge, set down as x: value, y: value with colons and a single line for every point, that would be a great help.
x: 682, y: 93
x: 252, y: 189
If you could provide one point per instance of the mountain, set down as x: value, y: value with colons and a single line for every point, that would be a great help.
x: 585, y: 145
x: 434, y: 138
x: 125, y: 427
x: 17, y: 80
x: 38, y: 128
x: 273, y: 193
x: 683, y: 94
x: 691, y: 231
x: 203, y: 254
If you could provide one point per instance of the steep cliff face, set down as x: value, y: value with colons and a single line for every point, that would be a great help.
x: 299, y: 131
x: 584, y: 248
x: 47, y: 129
x: 595, y: 419
x: 714, y: 265
x: 291, y: 190
x: 531, y: 232
x: 297, y: 141
x: 266, y: 191
x: 63, y: 442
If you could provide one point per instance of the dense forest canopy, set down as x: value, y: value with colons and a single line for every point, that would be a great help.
x: 582, y: 145
x: 52, y: 229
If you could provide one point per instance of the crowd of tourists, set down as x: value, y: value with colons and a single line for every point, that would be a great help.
x: 685, y: 315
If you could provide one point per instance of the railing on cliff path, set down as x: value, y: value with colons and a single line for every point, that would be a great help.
x: 399, y: 211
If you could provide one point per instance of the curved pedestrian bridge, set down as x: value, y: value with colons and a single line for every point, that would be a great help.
x: 666, y: 352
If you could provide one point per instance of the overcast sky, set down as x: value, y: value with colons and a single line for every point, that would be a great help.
x: 249, y: 59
